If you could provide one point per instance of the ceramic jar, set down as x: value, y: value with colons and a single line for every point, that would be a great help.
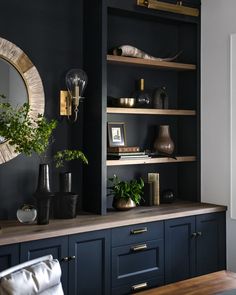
x: 163, y: 143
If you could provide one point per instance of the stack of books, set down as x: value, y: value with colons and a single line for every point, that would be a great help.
x: 125, y: 152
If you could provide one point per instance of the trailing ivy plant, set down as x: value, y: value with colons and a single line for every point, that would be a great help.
x: 132, y: 189
x: 68, y: 155
x: 26, y: 134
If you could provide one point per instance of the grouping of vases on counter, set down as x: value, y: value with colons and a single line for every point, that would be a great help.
x: 63, y: 202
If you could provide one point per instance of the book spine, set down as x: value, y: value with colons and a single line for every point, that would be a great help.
x: 154, y: 178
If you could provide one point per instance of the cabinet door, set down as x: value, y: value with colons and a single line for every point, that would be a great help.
x: 210, y: 240
x: 9, y: 256
x: 89, y: 272
x: 57, y: 247
x: 179, y: 249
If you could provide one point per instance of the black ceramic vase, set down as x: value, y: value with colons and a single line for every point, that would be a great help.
x: 43, y: 195
x: 65, y: 202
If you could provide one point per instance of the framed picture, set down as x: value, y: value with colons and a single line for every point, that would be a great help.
x: 116, y: 134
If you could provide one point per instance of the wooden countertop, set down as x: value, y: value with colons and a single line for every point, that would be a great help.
x: 221, y: 283
x: 14, y: 232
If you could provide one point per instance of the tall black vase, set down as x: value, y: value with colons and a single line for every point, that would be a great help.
x: 43, y: 195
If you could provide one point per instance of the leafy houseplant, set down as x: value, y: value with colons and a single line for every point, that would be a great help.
x: 26, y: 134
x: 127, y: 194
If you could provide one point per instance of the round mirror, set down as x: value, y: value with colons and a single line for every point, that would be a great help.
x: 12, y: 85
x: 20, y: 82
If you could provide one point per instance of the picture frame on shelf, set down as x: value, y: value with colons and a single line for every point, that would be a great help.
x: 116, y: 134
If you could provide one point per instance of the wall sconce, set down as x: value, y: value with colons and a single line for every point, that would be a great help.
x: 76, y: 82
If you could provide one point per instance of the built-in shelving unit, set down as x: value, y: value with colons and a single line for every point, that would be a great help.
x: 146, y: 161
x: 157, y: 112
x: 112, y: 23
x: 123, y: 60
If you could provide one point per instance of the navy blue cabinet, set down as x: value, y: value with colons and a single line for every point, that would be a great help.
x: 137, y: 257
x: 9, y: 256
x: 194, y: 246
x: 179, y: 249
x: 84, y: 260
x: 57, y: 247
x: 89, y: 268
x: 210, y: 243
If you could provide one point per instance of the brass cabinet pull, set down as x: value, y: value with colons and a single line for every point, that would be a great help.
x: 139, y: 247
x: 199, y: 233
x: 138, y: 231
x: 72, y: 258
x: 139, y: 286
x: 65, y: 259
x: 193, y: 235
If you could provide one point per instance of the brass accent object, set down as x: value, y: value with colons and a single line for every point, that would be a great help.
x: 123, y: 205
x: 65, y: 103
x: 65, y: 259
x: 139, y: 248
x: 174, y: 8
x: 139, y: 286
x: 125, y: 102
x: 138, y: 231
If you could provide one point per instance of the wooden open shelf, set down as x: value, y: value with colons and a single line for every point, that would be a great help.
x: 150, y: 63
x: 150, y: 161
x: 140, y: 111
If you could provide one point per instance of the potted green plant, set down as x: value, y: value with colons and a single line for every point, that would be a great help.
x: 127, y: 194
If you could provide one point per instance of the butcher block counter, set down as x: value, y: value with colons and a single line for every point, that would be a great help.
x: 14, y: 232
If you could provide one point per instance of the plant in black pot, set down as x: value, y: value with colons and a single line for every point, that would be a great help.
x: 65, y: 202
x: 126, y: 194
x: 30, y: 135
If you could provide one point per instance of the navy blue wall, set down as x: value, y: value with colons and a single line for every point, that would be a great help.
x: 50, y: 32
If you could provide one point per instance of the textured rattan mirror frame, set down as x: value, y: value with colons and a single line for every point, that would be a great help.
x: 18, y: 59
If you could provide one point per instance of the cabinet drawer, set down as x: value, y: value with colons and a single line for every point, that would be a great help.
x: 137, y: 262
x: 139, y: 285
x: 137, y: 233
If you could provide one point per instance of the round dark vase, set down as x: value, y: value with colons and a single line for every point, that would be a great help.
x: 43, y: 195
x: 164, y: 143
x: 65, y: 202
x: 167, y: 196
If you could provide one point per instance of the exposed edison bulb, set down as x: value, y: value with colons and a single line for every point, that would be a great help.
x: 76, y: 82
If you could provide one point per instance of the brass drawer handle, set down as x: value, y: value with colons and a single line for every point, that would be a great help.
x: 139, y: 286
x: 199, y: 233
x: 71, y: 258
x: 65, y: 259
x: 193, y: 235
x: 138, y: 231
x: 139, y: 248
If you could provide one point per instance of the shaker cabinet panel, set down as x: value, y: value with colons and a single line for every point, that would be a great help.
x: 179, y: 249
x: 57, y: 247
x: 194, y: 246
x: 89, y: 268
x: 137, y: 233
x: 137, y: 262
x: 210, y: 240
x: 9, y: 256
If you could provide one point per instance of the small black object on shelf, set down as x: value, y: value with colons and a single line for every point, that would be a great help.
x: 167, y: 196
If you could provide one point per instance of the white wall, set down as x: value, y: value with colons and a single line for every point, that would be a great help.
x: 218, y: 22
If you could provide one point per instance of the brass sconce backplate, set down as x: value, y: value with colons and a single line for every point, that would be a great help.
x: 65, y: 103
